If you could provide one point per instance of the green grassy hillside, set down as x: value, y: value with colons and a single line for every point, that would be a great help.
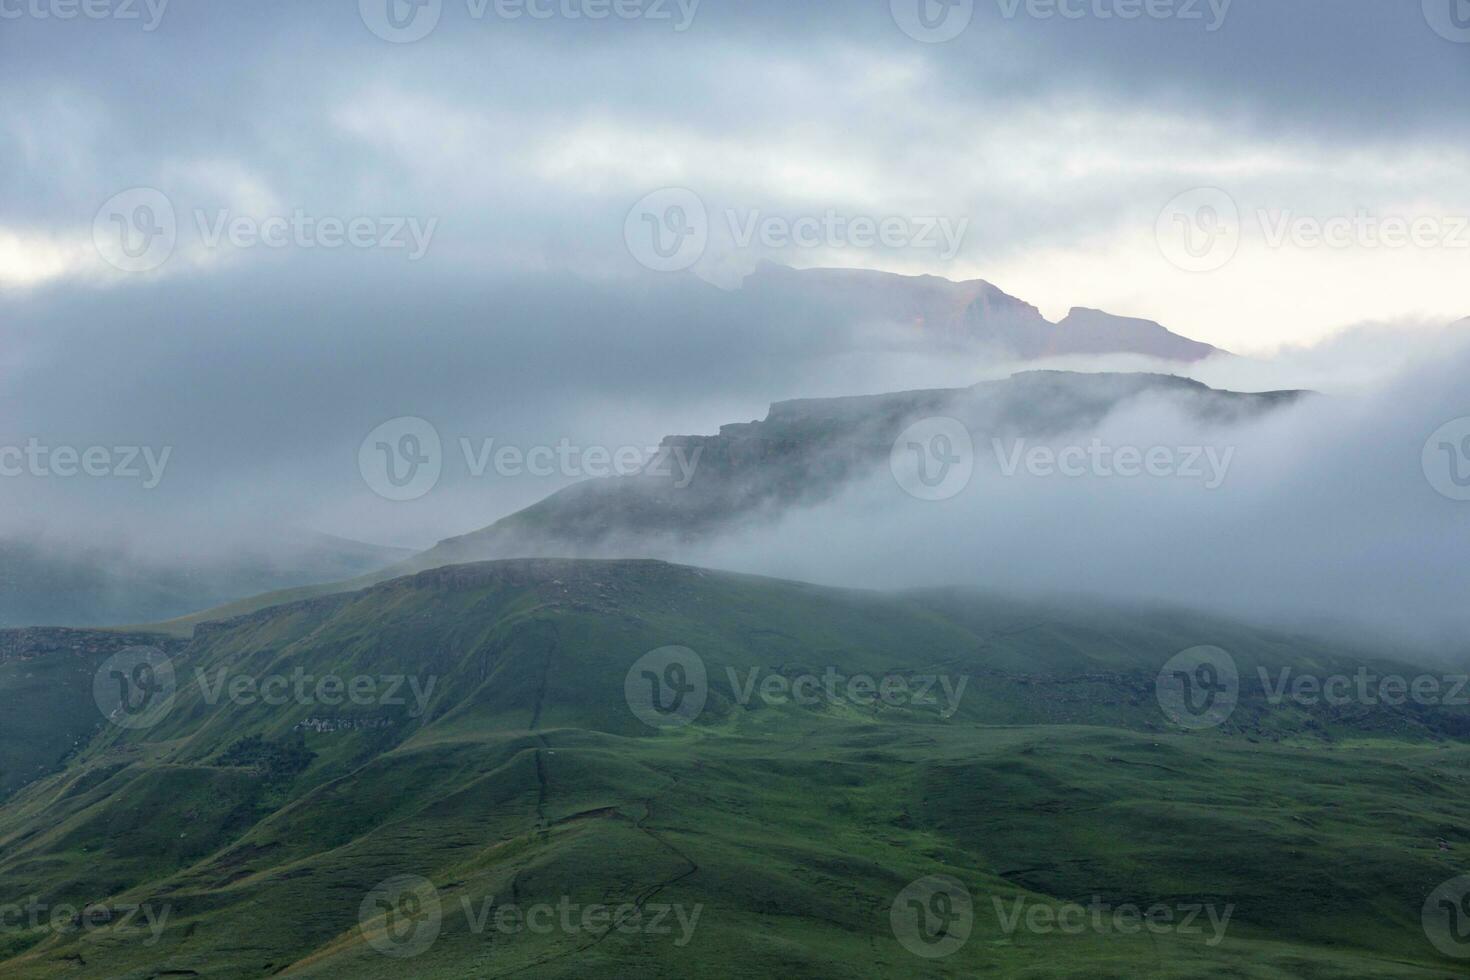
x: 47, y: 712
x: 492, y: 814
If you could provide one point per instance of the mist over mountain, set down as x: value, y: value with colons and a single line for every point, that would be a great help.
x: 56, y: 582
x: 698, y: 493
x: 1335, y: 514
x: 971, y: 315
x: 563, y: 489
x: 808, y: 451
x: 588, y: 346
x: 266, y: 414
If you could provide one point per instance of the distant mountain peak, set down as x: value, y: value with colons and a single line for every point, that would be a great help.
x: 972, y: 311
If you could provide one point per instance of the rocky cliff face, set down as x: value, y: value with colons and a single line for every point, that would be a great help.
x: 805, y: 451
x: 40, y: 641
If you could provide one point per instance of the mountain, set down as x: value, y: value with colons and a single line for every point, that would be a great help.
x: 804, y: 452
x: 939, y: 312
x: 1020, y: 751
x: 46, y: 681
x: 48, y: 581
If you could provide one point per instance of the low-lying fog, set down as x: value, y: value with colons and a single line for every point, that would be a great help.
x: 1320, y: 512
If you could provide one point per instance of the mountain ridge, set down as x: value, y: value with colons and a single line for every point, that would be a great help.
x: 525, y: 775
x: 973, y: 311
x: 804, y: 451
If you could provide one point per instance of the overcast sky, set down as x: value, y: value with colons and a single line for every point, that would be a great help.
x: 1060, y: 134
x: 1155, y: 159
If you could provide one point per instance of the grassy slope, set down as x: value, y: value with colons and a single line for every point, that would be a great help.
x: 795, y: 827
x: 46, y: 692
